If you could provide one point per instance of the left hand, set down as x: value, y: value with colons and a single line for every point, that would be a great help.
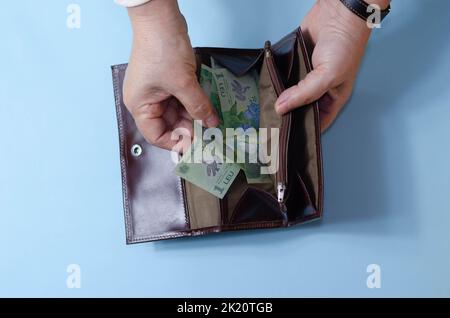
x: 340, y: 39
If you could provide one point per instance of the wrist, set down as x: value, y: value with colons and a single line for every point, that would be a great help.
x: 364, y: 11
x: 341, y: 19
x: 154, y: 15
x: 370, y: 11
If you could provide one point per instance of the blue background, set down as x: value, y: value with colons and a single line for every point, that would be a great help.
x: 386, y: 163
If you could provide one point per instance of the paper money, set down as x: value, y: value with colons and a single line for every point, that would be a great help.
x: 239, y: 98
x: 209, y: 85
x: 240, y: 108
x: 236, y: 101
x: 214, y: 177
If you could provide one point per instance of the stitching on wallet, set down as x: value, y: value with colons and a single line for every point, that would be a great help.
x: 158, y: 237
x: 252, y: 225
x: 118, y: 95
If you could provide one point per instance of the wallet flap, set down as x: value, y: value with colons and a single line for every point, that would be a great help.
x: 240, y: 61
x: 152, y: 194
x: 284, y: 54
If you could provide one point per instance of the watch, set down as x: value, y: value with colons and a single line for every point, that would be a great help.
x: 363, y: 10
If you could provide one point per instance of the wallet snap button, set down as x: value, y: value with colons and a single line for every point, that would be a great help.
x: 136, y: 150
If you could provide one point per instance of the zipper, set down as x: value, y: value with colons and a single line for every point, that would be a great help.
x: 187, y: 212
x: 281, y: 175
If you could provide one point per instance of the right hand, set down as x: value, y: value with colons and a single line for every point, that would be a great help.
x: 161, y: 89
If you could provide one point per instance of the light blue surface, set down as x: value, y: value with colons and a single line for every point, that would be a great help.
x: 386, y: 160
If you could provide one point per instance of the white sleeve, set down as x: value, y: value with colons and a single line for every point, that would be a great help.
x: 131, y: 3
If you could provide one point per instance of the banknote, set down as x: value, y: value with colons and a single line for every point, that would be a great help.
x: 209, y: 86
x: 239, y: 97
x: 213, y: 176
x: 236, y: 101
x: 240, y: 108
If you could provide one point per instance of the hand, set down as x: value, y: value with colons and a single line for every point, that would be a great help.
x: 160, y: 88
x: 340, y: 39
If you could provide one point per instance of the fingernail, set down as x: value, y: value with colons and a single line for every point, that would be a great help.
x: 212, y: 121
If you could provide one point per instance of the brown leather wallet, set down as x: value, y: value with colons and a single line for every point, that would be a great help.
x: 159, y: 205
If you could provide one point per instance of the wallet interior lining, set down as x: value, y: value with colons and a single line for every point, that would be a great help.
x: 204, y: 208
x: 309, y: 172
x: 268, y: 117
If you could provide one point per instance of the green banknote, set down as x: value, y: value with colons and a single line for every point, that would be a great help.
x: 240, y: 108
x: 214, y: 177
x: 236, y: 101
x: 239, y: 97
x: 209, y: 86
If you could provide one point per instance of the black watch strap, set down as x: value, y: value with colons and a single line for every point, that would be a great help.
x: 359, y: 7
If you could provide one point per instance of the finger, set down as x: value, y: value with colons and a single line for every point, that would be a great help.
x: 197, y: 104
x: 331, y: 104
x: 171, y: 114
x: 182, y: 135
x: 157, y: 121
x: 150, y: 122
x: 326, y: 120
x: 328, y: 111
x: 183, y: 113
x: 308, y: 90
x: 155, y: 132
x: 176, y: 117
x: 176, y: 110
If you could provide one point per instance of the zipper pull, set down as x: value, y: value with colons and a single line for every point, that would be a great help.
x: 281, y: 187
x: 267, y: 48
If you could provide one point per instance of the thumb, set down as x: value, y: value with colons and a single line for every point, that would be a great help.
x: 197, y: 104
x: 308, y: 90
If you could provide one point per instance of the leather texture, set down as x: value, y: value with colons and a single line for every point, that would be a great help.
x: 153, y: 199
x: 158, y: 205
x: 359, y: 7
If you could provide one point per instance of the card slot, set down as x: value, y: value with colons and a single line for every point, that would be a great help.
x: 203, y: 208
x: 300, y: 205
x: 256, y: 205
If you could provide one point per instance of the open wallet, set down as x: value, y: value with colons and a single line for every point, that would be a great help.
x: 159, y: 205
